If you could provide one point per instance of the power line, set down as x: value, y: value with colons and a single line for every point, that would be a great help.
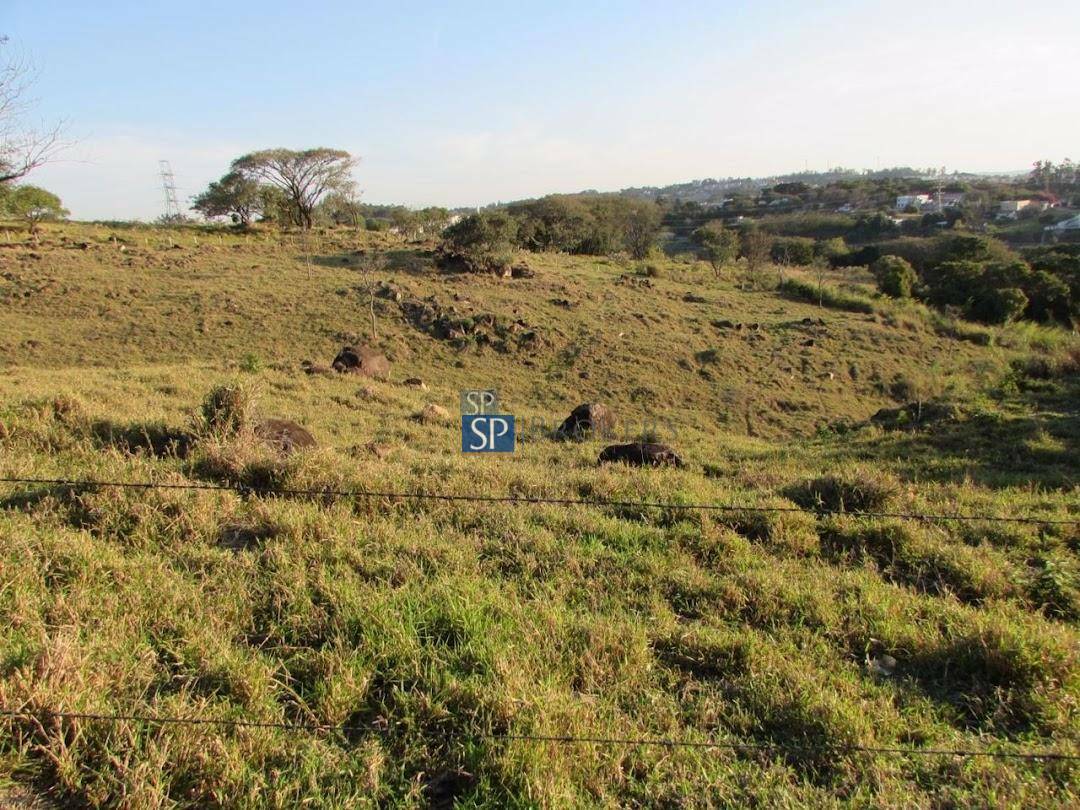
x: 526, y: 499
x: 565, y: 739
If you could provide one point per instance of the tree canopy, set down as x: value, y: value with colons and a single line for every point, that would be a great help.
x: 234, y: 195
x: 32, y: 204
x: 304, y: 176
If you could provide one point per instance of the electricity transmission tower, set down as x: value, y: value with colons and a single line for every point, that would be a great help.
x: 168, y: 183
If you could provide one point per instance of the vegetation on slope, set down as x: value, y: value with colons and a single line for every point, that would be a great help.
x: 439, y: 627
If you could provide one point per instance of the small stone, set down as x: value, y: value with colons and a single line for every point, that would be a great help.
x: 433, y: 414
x: 284, y: 435
x: 883, y: 664
x: 380, y: 451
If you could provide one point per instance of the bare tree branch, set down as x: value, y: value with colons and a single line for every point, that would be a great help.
x: 23, y: 148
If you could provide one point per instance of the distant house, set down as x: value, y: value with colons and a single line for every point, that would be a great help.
x: 1066, y: 229
x: 1010, y: 209
x: 906, y: 201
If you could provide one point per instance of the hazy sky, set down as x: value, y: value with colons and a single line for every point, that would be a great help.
x: 466, y: 103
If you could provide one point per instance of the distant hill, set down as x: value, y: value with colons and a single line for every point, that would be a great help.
x: 714, y: 190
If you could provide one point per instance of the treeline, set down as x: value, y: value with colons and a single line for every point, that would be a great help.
x: 596, y: 225
x: 979, y: 277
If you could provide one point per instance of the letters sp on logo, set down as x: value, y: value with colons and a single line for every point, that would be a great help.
x: 487, y: 433
x: 479, y: 402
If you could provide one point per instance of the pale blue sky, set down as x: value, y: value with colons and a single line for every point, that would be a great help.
x: 467, y: 103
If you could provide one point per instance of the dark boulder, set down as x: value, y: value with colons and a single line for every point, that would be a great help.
x: 641, y: 454
x: 362, y: 360
x: 284, y: 435
x: 588, y: 418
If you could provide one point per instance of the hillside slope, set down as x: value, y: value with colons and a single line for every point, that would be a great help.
x: 439, y: 631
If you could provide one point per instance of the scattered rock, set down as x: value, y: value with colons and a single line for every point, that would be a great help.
x: 433, y: 414
x: 470, y: 329
x: 362, y: 360
x: 641, y: 454
x: 634, y: 281
x: 368, y: 393
x: 588, y: 418
x: 284, y: 435
x: 389, y: 291
x: 884, y: 665
x: 380, y: 451
x: 316, y: 368
x: 241, y: 537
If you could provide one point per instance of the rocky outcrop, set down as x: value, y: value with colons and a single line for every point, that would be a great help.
x: 589, y: 418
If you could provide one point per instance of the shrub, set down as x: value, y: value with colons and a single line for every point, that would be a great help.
x: 797, y: 250
x: 480, y: 242
x: 869, y: 492
x: 831, y: 249
x: 999, y: 306
x: 895, y: 276
x: 227, y: 410
x: 251, y: 363
x: 718, y: 245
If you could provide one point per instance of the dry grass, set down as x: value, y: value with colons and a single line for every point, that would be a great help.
x: 434, y: 623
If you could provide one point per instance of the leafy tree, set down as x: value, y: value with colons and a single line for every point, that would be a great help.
x: 953, y: 283
x: 234, y: 195
x: 341, y: 207
x: 755, y: 248
x: 275, y: 206
x: 34, y: 205
x: 895, y: 276
x: 831, y: 249
x: 433, y: 220
x: 998, y: 305
x: 789, y: 250
x: 718, y: 245
x: 556, y: 222
x: 480, y: 242
x: 640, y: 225
x: 406, y: 222
x: 304, y: 176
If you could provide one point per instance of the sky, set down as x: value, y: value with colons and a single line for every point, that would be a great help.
x: 469, y: 103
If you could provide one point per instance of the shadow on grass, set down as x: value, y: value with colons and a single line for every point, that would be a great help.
x: 153, y: 438
x: 1005, y: 448
x: 415, y: 262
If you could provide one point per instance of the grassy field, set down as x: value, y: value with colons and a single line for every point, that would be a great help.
x: 439, y: 630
